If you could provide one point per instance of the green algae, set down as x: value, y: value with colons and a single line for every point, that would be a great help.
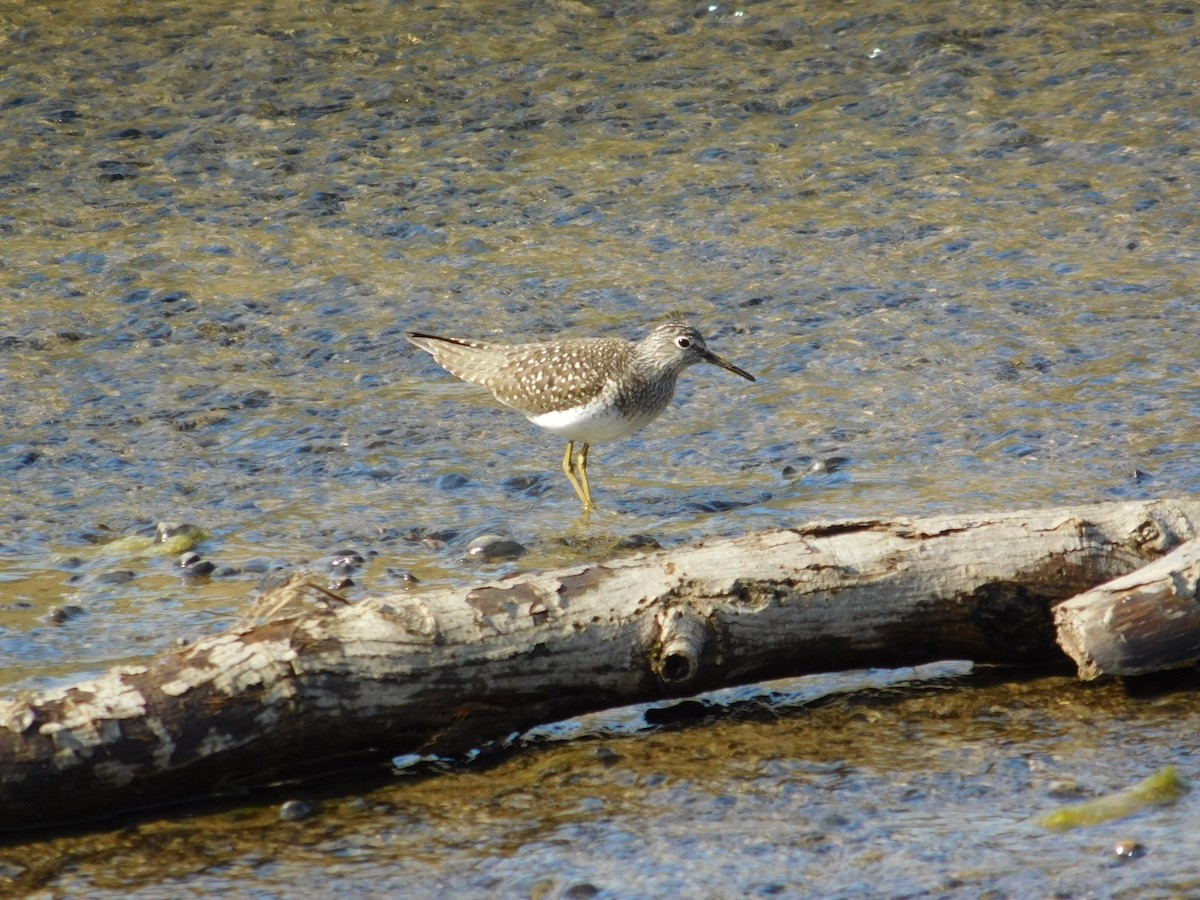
x: 1159, y: 789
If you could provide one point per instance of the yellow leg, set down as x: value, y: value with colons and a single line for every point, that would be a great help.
x: 581, y: 489
x: 581, y: 464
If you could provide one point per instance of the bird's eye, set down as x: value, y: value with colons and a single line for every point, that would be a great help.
x: 683, y: 342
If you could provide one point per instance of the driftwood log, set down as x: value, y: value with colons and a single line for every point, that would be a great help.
x: 1146, y: 621
x: 447, y: 671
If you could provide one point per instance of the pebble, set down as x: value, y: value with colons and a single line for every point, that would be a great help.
x: 116, y: 576
x: 164, y: 531
x: 57, y: 615
x: 260, y: 565
x: 346, y: 558
x: 826, y: 466
x: 202, y: 568
x: 581, y: 890
x: 341, y: 566
x: 1125, y: 851
x: 606, y: 756
x: 637, y: 542
x: 526, y: 485
x: 495, y: 546
x: 452, y: 482
x: 295, y: 810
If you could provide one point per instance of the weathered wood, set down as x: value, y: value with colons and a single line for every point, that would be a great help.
x: 449, y: 670
x: 1146, y: 621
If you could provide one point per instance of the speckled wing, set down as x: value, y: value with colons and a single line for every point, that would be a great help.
x: 542, y: 378
x: 534, y: 378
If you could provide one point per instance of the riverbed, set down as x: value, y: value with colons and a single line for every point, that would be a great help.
x: 956, y: 245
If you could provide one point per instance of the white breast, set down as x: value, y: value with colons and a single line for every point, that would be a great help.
x: 592, y: 424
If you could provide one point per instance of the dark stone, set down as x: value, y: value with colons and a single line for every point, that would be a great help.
x: 57, y: 615
x: 117, y: 576
x: 295, y: 810
x: 200, y: 568
x: 452, y: 481
x: 493, y: 546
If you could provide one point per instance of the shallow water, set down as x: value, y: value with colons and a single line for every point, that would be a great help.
x: 880, y: 793
x: 956, y: 245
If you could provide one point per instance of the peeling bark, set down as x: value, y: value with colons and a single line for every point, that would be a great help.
x: 451, y: 670
x: 1146, y: 621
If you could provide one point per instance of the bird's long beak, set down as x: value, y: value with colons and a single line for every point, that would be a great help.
x: 711, y: 357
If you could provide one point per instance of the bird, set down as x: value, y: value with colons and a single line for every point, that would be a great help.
x: 587, y: 390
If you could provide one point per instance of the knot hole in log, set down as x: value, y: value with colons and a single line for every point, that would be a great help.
x: 1151, y: 535
x: 681, y: 639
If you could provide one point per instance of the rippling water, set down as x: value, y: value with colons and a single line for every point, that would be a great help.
x: 957, y: 245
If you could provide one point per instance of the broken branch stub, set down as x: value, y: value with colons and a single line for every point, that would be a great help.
x: 1146, y: 621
